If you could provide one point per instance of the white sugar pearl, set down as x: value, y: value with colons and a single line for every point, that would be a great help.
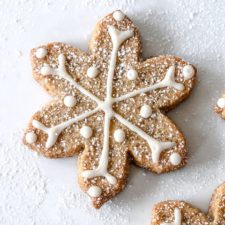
x: 31, y: 137
x: 41, y: 53
x: 92, y: 72
x: 175, y: 158
x: 94, y: 191
x: 46, y: 70
x: 118, y: 15
x: 70, y: 101
x: 146, y: 111
x: 221, y: 102
x: 188, y: 72
x: 119, y: 135
x: 86, y: 132
x: 132, y: 74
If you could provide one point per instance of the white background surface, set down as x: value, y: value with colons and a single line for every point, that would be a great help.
x: 39, y: 191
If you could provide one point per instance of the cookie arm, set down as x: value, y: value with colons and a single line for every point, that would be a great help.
x: 156, y: 146
x: 99, y: 180
x: 155, y: 141
x: 177, y: 213
x: 55, y: 130
x: 169, y: 81
x: 217, y: 205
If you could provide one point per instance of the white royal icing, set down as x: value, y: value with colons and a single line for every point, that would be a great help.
x: 156, y: 146
x: 55, y: 131
x: 117, y: 37
x: 132, y: 74
x: 86, y: 132
x: 188, y: 72
x: 146, y: 111
x: 177, y: 218
x: 31, y: 137
x: 92, y: 72
x: 221, y: 102
x: 118, y: 15
x: 168, y: 81
x: 94, y: 191
x: 119, y: 135
x: 175, y: 158
x: 41, y: 53
x: 69, y: 101
x: 46, y: 70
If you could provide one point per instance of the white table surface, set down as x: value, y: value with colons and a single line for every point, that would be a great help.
x: 39, y: 191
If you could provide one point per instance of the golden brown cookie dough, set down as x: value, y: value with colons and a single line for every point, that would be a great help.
x: 108, y: 107
x: 182, y: 213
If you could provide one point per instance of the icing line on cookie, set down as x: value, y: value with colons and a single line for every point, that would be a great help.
x: 55, y: 131
x: 156, y: 146
x: 177, y: 218
x: 168, y: 81
x: 117, y: 37
x: 62, y: 73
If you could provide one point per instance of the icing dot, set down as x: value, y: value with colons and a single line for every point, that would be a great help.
x: 86, y: 132
x: 118, y: 15
x: 188, y: 72
x: 92, y: 72
x: 175, y: 158
x: 132, y: 74
x: 112, y: 180
x: 46, y: 70
x: 119, y: 135
x: 41, y: 53
x: 69, y: 101
x: 31, y: 137
x: 94, y: 191
x: 221, y: 102
x: 146, y: 111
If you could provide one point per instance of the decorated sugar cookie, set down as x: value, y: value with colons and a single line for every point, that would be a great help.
x: 108, y: 107
x: 182, y: 213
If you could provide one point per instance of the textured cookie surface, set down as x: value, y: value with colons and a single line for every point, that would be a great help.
x: 182, y: 213
x: 108, y: 107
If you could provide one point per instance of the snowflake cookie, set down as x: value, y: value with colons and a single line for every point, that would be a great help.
x: 108, y: 107
x: 182, y: 213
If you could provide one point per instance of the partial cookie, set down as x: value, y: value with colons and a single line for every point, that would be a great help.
x: 108, y: 106
x: 182, y: 213
x: 220, y: 106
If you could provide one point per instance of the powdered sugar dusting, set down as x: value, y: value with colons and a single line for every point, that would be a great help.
x: 23, y: 188
x: 193, y: 30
